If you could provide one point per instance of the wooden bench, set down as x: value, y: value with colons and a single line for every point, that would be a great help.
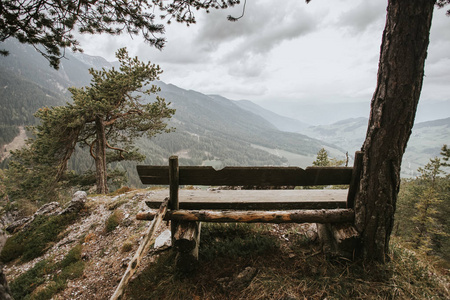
x: 187, y: 208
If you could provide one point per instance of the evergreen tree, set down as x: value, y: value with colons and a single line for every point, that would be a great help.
x: 106, y: 116
x: 426, y: 222
x: 321, y: 159
x: 445, y: 152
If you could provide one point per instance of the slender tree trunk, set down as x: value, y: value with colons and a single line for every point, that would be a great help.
x: 100, y: 159
x: 393, y: 108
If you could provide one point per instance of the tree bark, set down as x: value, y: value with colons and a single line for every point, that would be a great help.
x: 100, y: 157
x: 393, y: 108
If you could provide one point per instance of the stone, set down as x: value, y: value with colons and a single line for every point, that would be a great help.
x: 163, y: 240
x: 47, y: 209
x: 76, y: 204
x: 16, y: 225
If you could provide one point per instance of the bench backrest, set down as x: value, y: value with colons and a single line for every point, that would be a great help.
x: 248, y: 176
x: 175, y: 175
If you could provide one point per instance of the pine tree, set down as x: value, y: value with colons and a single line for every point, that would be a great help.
x: 426, y: 222
x: 106, y: 116
x: 321, y: 159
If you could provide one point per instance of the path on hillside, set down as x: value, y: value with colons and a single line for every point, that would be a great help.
x: 17, y: 143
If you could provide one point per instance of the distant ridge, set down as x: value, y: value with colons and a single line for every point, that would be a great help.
x: 280, y: 122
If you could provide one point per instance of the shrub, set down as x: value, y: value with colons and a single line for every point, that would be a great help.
x: 71, y: 267
x: 113, y: 221
x: 127, y: 246
x: 34, y: 241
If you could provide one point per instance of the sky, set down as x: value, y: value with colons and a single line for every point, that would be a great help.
x: 286, y: 55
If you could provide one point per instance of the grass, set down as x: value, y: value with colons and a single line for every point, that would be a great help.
x: 293, y: 269
x: 35, y: 240
x: 46, y: 279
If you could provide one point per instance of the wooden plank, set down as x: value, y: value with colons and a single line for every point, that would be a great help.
x: 143, y: 247
x: 354, y: 183
x: 328, y: 175
x: 244, y: 216
x: 154, y: 174
x: 255, y: 199
x: 243, y: 176
x: 257, y: 205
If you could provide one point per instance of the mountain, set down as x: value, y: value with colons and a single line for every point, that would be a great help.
x: 210, y: 130
x: 216, y: 131
x: 280, y: 122
x: 426, y: 140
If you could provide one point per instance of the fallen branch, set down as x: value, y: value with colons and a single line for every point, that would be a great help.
x: 143, y: 247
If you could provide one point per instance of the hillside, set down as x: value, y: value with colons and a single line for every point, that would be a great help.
x: 280, y: 122
x: 88, y: 256
x: 210, y: 130
x: 425, y: 142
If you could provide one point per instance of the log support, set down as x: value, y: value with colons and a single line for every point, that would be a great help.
x: 339, y: 239
x: 231, y: 216
x: 186, y: 243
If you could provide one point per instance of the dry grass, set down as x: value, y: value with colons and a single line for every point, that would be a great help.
x: 292, y: 269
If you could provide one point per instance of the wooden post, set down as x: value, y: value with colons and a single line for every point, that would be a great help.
x: 143, y: 247
x: 174, y: 182
x: 186, y: 242
x: 339, y: 239
x: 354, y: 182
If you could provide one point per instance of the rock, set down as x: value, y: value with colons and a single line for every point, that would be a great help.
x: 163, y: 240
x: 126, y: 222
x: 47, y: 209
x: 17, y: 225
x: 125, y: 262
x: 76, y: 204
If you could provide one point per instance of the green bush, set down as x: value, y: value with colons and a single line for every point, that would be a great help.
x: 113, y: 221
x: 34, y: 241
x: 70, y: 267
x: 26, y: 283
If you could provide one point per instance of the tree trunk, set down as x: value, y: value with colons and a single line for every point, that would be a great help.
x: 393, y: 108
x: 100, y: 157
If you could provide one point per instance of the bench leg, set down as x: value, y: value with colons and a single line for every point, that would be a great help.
x: 340, y: 239
x: 186, y: 240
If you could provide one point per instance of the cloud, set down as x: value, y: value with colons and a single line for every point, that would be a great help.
x: 243, y: 46
x: 263, y: 27
x: 361, y: 17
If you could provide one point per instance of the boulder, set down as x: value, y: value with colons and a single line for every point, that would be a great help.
x: 76, y: 204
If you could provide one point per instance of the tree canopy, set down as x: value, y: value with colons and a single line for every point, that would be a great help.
x: 49, y: 25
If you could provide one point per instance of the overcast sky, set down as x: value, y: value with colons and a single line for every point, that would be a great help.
x: 284, y: 52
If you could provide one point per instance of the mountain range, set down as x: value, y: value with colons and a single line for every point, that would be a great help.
x: 210, y: 129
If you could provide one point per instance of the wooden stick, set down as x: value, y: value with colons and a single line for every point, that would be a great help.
x: 143, y: 247
x: 292, y: 216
